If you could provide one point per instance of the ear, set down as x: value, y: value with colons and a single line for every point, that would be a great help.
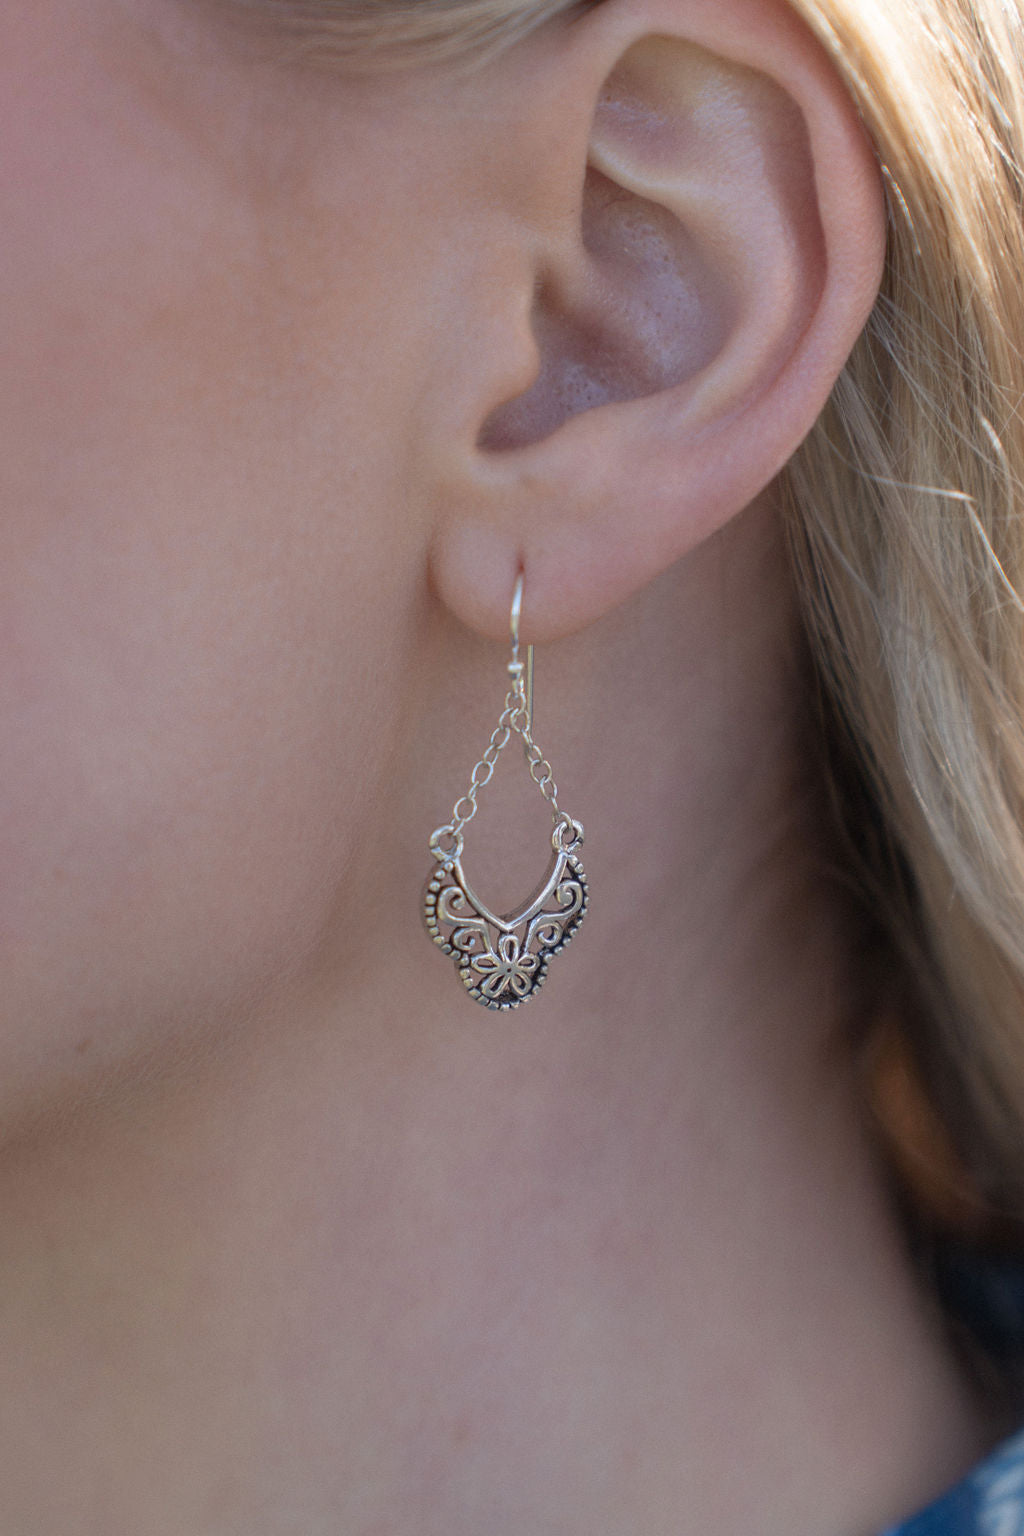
x: 689, y: 314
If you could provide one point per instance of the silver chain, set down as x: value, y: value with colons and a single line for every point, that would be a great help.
x: 515, y: 719
x: 512, y: 721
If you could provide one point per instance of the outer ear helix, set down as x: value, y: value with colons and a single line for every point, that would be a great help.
x: 503, y: 960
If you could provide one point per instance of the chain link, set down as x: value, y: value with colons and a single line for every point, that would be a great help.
x: 512, y: 721
x: 516, y: 719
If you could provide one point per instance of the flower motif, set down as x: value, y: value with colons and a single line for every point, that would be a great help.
x: 508, y: 970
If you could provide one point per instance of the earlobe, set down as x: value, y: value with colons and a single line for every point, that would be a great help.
x: 725, y: 256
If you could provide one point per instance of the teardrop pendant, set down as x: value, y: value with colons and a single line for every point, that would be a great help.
x: 503, y: 960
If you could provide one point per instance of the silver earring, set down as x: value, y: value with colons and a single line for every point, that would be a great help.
x: 502, y: 961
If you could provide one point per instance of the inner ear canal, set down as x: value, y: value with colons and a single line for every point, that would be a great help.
x: 642, y: 310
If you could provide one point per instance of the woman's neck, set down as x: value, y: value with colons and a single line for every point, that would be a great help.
x: 620, y: 1262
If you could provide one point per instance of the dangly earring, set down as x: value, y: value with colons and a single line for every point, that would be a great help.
x: 503, y: 961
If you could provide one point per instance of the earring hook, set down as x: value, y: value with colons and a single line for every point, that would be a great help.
x: 515, y: 666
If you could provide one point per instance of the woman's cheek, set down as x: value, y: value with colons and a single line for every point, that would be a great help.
x: 158, y: 776
x: 207, y: 393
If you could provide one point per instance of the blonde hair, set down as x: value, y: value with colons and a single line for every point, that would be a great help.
x: 382, y: 32
x: 905, y: 510
x: 906, y: 506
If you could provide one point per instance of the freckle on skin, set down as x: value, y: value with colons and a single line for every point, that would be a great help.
x: 83, y: 1045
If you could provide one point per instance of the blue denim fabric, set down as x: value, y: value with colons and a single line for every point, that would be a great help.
x: 984, y: 1295
x: 989, y: 1502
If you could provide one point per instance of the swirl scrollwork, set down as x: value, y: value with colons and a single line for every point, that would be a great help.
x: 503, y: 961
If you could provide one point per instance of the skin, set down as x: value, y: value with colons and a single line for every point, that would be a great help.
x: 293, y: 1238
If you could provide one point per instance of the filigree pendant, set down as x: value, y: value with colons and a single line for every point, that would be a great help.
x: 502, y: 961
